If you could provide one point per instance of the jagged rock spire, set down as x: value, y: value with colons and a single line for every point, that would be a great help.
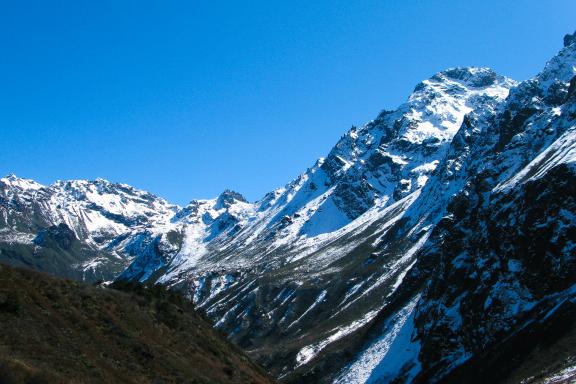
x: 569, y: 39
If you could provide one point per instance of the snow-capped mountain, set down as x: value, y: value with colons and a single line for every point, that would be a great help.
x: 494, y: 282
x: 266, y: 270
x: 428, y: 241
x: 88, y: 221
x: 376, y: 165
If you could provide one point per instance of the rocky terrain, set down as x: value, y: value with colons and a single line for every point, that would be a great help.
x: 433, y: 244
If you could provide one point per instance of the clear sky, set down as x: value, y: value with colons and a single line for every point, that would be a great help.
x: 187, y: 98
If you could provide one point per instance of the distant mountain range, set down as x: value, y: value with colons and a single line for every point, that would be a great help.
x: 437, y: 243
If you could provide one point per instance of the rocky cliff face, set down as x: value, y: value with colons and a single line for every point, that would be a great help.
x: 434, y: 233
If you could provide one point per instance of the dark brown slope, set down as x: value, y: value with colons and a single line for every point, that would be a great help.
x: 60, y: 331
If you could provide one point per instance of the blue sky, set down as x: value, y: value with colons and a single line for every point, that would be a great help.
x: 187, y: 98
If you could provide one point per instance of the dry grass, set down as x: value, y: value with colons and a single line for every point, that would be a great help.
x: 60, y: 331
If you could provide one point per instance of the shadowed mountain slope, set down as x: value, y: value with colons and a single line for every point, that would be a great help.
x: 60, y: 331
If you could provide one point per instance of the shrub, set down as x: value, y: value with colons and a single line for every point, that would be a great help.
x: 9, y: 302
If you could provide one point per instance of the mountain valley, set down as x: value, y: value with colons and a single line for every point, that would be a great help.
x: 435, y: 244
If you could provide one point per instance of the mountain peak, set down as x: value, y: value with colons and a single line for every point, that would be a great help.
x: 474, y: 77
x: 569, y: 39
x: 462, y: 81
x: 228, y: 197
x: 554, y: 79
x: 14, y: 181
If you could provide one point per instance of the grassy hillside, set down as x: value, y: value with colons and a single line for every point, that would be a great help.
x: 60, y: 331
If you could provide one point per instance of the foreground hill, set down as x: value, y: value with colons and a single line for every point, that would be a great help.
x: 60, y: 331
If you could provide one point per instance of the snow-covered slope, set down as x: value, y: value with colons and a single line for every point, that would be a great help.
x: 495, y: 279
x: 376, y: 165
x: 322, y: 246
